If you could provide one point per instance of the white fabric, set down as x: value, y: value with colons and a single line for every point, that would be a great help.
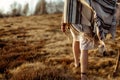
x: 85, y: 42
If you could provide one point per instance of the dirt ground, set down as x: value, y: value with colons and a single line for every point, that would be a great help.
x: 34, y: 48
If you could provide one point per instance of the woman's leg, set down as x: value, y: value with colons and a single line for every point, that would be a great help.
x: 84, y: 64
x: 76, y: 53
x: 75, y: 46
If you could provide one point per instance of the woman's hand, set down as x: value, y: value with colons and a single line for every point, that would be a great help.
x: 63, y: 27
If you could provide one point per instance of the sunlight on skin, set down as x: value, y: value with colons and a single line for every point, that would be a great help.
x: 118, y: 14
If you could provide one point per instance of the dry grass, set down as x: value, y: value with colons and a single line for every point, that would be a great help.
x: 38, y: 71
x: 34, y: 48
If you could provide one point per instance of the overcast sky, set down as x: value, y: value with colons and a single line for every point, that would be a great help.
x: 7, y: 6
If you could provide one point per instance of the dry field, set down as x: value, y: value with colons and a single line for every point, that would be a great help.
x: 34, y: 48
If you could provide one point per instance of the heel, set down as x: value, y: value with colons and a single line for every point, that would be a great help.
x: 84, y: 76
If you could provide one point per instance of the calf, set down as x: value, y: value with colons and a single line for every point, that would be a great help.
x: 118, y: 14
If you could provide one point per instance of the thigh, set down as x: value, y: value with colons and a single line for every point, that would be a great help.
x: 86, y: 43
x: 75, y: 34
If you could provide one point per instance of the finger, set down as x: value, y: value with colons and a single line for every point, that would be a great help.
x: 63, y: 28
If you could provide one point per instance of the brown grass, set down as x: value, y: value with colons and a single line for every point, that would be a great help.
x: 34, y: 48
x: 38, y: 71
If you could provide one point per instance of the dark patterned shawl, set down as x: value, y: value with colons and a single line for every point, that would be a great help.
x: 106, y: 20
x: 82, y: 12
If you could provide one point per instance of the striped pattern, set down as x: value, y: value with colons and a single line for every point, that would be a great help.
x: 105, y: 10
x: 80, y: 12
x: 76, y: 12
x: 70, y: 9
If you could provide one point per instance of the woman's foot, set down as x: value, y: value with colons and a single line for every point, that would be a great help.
x: 84, y: 76
x: 77, y: 65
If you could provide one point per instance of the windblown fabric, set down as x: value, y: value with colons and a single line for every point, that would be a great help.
x: 106, y: 20
x: 78, y: 12
x: 83, y: 12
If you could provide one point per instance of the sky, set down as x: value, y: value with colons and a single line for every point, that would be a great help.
x: 8, y: 6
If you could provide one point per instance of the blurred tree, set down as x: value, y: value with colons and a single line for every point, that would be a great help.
x: 41, y: 8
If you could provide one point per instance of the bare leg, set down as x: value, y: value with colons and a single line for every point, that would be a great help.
x: 84, y: 64
x: 76, y: 52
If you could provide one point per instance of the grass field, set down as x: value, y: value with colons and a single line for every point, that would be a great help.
x: 34, y: 48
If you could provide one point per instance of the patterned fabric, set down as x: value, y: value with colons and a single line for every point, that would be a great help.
x: 85, y: 42
x: 83, y: 12
x: 106, y: 20
x: 78, y: 12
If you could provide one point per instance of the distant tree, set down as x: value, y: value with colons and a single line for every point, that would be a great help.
x: 43, y: 6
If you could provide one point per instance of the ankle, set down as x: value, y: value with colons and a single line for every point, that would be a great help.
x: 77, y: 64
x: 84, y: 76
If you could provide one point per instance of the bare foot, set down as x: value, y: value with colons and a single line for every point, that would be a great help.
x: 84, y: 76
x: 77, y: 65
